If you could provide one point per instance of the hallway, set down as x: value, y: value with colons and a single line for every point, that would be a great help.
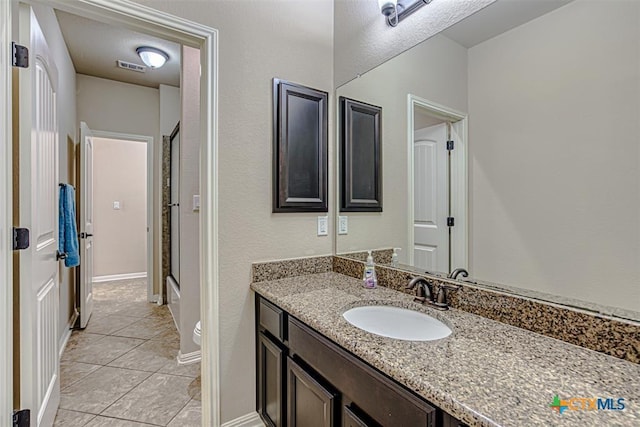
x: 121, y: 370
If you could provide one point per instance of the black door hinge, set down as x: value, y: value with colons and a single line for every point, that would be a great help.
x: 19, y: 55
x: 20, y: 238
x: 22, y: 418
x: 450, y: 221
x: 449, y: 145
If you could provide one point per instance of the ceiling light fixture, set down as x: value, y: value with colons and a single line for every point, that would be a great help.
x: 152, y: 57
x: 397, y: 10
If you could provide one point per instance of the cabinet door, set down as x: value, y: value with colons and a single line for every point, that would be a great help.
x: 352, y: 418
x: 270, y: 381
x: 310, y: 404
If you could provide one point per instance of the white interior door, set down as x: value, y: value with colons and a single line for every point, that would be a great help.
x: 38, y: 206
x: 431, y: 199
x: 86, y: 224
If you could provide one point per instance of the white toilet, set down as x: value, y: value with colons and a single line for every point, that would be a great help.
x: 197, y: 333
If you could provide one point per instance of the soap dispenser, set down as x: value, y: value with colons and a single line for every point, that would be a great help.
x: 369, y: 279
x: 394, y: 257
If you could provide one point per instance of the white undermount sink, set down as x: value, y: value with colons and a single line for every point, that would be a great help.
x: 398, y: 323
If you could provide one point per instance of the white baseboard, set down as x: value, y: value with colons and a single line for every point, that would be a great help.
x: 64, y: 339
x: 111, y: 277
x: 189, y: 358
x: 250, y: 420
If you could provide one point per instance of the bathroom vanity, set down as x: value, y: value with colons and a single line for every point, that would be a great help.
x: 308, y: 380
x: 316, y: 369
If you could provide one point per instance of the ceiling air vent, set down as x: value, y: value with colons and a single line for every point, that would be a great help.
x: 131, y: 66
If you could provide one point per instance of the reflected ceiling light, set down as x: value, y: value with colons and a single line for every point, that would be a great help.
x: 152, y: 57
x: 397, y: 10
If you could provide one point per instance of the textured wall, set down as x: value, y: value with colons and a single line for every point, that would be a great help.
x: 189, y: 186
x: 555, y: 183
x: 363, y: 40
x: 120, y: 235
x: 292, y: 40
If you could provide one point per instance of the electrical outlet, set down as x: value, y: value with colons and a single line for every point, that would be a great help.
x: 323, y: 226
x: 343, y: 224
x: 116, y: 205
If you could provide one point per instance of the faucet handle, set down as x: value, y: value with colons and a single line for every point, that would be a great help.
x: 441, y: 300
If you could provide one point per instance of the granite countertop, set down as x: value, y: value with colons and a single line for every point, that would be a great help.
x: 485, y: 373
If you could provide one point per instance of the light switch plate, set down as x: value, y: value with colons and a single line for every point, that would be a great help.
x: 343, y: 224
x: 196, y: 202
x: 323, y: 226
x: 116, y: 205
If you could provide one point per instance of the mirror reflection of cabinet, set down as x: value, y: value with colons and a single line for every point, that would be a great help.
x: 360, y: 157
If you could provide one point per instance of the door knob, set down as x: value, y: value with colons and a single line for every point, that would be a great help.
x: 60, y: 255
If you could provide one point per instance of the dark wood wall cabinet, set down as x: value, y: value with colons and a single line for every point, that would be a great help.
x: 300, y: 157
x: 360, y: 157
x: 306, y: 380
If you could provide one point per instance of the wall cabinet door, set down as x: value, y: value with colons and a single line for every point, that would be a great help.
x: 271, y: 360
x: 309, y: 403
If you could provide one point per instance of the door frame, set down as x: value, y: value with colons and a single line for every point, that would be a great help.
x: 6, y: 218
x: 141, y: 18
x: 459, y: 186
x: 151, y: 231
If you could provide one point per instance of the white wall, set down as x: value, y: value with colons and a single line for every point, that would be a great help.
x: 66, y: 110
x: 189, y: 186
x: 435, y: 70
x: 112, y: 106
x: 169, y: 109
x: 258, y: 41
x: 363, y: 40
x: 120, y: 235
x: 554, y: 107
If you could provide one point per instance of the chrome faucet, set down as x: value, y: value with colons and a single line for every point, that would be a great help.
x: 454, y: 274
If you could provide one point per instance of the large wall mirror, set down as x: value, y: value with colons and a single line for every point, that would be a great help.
x: 542, y: 186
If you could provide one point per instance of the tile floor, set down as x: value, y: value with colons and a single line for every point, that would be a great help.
x: 121, y: 371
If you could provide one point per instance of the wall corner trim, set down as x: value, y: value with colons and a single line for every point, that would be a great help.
x: 189, y: 358
x: 252, y: 419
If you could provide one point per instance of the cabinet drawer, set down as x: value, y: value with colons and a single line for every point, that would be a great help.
x: 272, y: 319
x: 379, y: 397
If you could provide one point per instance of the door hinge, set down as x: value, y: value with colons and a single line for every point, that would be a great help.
x: 20, y: 238
x: 450, y: 221
x: 449, y: 145
x: 22, y: 418
x: 19, y: 55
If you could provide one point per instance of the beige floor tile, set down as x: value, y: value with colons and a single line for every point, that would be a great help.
x: 114, y: 422
x: 168, y: 335
x: 189, y: 416
x: 102, y: 351
x: 145, y: 328
x: 100, y: 324
x: 150, y: 356
x: 70, y: 372
x: 100, y: 389
x: 156, y: 400
x: 173, y: 368
x: 66, y: 418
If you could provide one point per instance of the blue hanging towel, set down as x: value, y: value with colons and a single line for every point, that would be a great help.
x: 67, y: 230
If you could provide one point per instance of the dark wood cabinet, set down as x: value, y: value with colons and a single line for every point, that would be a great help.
x: 309, y: 402
x: 352, y: 418
x: 306, y: 380
x: 271, y: 360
